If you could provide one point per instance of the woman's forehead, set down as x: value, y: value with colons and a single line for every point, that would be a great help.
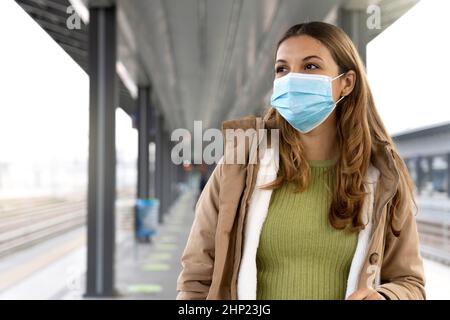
x: 300, y: 47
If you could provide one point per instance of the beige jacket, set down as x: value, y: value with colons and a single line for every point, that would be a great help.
x: 219, y: 259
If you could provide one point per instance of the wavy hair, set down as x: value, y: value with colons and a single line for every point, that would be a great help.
x: 358, y: 127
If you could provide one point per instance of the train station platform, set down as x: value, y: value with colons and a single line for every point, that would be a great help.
x: 137, y: 72
x: 55, y: 269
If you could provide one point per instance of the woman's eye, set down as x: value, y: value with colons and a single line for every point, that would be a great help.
x: 311, y: 66
x: 280, y: 69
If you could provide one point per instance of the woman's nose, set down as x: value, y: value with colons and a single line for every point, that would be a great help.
x: 296, y: 69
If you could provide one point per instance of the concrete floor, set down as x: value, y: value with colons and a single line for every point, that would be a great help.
x: 150, y: 271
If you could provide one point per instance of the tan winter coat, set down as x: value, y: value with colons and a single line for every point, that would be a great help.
x: 219, y: 259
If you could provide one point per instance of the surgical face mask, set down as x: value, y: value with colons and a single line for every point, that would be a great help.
x: 304, y: 100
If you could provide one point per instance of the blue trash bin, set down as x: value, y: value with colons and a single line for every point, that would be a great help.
x: 146, y: 218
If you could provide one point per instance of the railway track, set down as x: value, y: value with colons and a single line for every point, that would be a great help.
x: 434, y: 239
x: 25, y: 222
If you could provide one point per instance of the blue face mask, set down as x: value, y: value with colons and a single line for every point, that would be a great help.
x: 304, y: 100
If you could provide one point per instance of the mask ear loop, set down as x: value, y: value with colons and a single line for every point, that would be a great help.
x: 335, y: 79
x: 339, y: 100
x: 338, y: 76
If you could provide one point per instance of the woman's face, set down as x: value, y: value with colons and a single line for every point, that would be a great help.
x: 304, y: 54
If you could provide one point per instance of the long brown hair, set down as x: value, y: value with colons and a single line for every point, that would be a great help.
x: 358, y: 127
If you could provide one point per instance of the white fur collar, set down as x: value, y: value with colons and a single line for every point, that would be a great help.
x: 256, y: 215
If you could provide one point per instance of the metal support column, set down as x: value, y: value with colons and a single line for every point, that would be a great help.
x: 153, y: 126
x: 102, y: 153
x: 172, y: 191
x: 143, y: 187
x: 353, y: 22
x: 169, y: 179
x: 159, y: 181
x: 166, y: 172
x: 164, y: 163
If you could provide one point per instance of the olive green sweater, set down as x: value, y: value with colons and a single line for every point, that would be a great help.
x: 300, y: 255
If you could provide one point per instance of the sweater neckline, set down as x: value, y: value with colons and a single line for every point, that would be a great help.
x: 322, y: 163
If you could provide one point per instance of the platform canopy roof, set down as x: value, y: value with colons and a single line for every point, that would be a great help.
x: 204, y: 59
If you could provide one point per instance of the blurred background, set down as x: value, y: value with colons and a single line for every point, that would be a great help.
x: 91, y: 206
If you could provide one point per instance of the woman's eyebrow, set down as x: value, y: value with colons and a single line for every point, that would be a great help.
x: 304, y: 59
x: 312, y: 57
x: 281, y: 61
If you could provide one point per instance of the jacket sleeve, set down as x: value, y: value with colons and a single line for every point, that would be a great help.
x: 402, y: 273
x: 197, y: 259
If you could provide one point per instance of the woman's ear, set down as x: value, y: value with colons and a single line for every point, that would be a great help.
x: 348, y: 83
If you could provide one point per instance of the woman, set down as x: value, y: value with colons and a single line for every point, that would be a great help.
x: 328, y: 216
